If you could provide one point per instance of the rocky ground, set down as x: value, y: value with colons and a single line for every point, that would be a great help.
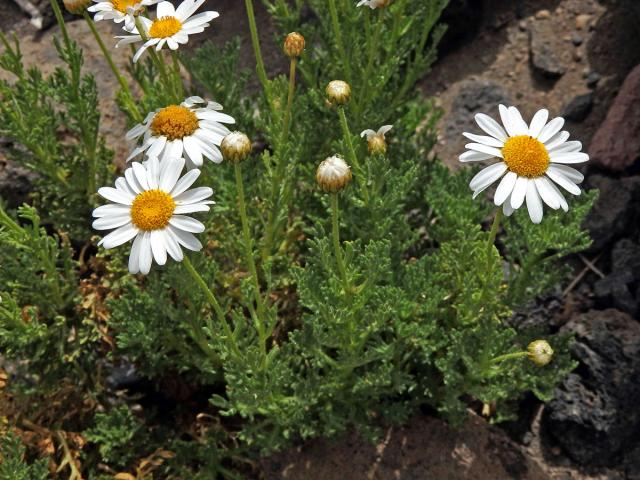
x: 580, y: 59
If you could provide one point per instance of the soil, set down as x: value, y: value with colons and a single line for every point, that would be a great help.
x: 570, y: 56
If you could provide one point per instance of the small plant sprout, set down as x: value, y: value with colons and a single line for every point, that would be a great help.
x: 293, y: 45
x: 149, y: 203
x: 77, y: 7
x: 533, y: 157
x: 372, y: 4
x: 376, y: 142
x: 172, y: 26
x: 120, y: 11
x: 338, y: 92
x: 193, y: 129
x: 333, y: 174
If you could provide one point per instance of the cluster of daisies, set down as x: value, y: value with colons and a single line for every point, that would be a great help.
x: 171, y: 26
x: 151, y: 200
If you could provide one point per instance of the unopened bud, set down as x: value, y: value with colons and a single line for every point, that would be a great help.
x: 540, y: 352
x: 333, y: 174
x: 235, y: 147
x: 76, y: 6
x: 375, y: 3
x: 293, y: 45
x: 376, y: 141
x: 338, y: 92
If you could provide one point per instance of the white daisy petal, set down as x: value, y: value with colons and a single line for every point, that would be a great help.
x: 484, y: 140
x: 191, y: 208
x: 505, y: 188
x: 471, y: 156
x: 538, y: 121
x: 116, y: 196
x: 490, y: 126
x: 563, y: 202
x: 158, y: 247
x: 478, y: 147
x: 195, y: 195
x: 111, y: 222
x: 488, y: 175
x: 192, y: 147
x: 173, y: 249
x: 146, y: 255
x: 534, y: 204
x: 186, y: 224
x: 519, y: 126
x: 119, y: 236
x: 563, y: 181
x: 519, y: 192
x: 558, y: 139
x: 165, y: 9
x: 568, y: 157
x: 111, y: 209
x: 550, y: 129
x: 186, y: 239
x: 140, y: 173
x: 134, y: 256
x: 573, y: 146
x: 507, y: 209
x: 171, y: 173
x: 571, y: 173
x: 185, y: 182
x: 506, y: 119
x: 547, y: 193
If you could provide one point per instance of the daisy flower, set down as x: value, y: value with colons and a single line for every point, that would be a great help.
x: 120, y: 11
x: 532, y: 160
x: 192, y: 129
x: 376, y: 141
x: 149, y: 204
x: 374, y: 3
x: 171, y: 26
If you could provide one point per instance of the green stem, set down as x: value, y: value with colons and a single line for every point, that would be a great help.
x: 211, y: 298
x: 255, y: 41
x: 337, y: 33
x: 353, y: 158
x: 335, y: 234
x: 509, y: 356
x: 159, y: 63
x: 373, y: 43
x: 292, y: 88
x: 492, y: 234
x: 132, y: 107
x: 248, y: 251
x: 178, y: 78
x: 278, y: 178
x: 60, y: 19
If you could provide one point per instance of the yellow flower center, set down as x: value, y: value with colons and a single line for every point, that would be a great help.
x: 152, y: 210
x: 123, y: 5
x: 525, y: 156
x: 174, y: 122
x: 164, y: 27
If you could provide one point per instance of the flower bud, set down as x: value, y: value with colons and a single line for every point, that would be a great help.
x: 333, y: 174
x: 338, y: 92
x: 293, y: 45
x: 235, y: 147
x: 76, y: 6
x: 540, y: 352
x: 376, y: 141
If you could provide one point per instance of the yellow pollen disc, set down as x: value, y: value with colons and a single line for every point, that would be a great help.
x: 174, y: 122
x: 152, y: 210
x: 123, y: 5
x: 164, y: 27
x: 525, y: 156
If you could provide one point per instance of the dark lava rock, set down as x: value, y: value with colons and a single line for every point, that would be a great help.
x: 594, y: 415
x: 577, y: 39
x: 474, y: 96
x: 544, y: 57
x: 615, y: 209
x: 461, y: 18
x: 578, y: 108
x: 15, y: 183
x: 616, y: 144
x: 619, y: 289
x: 592, y: 79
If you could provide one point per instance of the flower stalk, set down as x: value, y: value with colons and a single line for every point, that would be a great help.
x: 255, y: 41
x: 335, y: 235
x: 353, y: 157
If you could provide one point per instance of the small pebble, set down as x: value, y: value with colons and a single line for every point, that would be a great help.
x: 582, y: 21
x: 592, y: 79
x: 522, y: 25
x: 543, y: 14
x: 577, y: 56
x: 576, y: 39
